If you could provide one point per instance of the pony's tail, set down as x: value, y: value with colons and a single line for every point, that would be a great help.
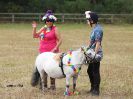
x: 35, y: 77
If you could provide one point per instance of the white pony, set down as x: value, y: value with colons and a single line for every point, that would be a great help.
x: 71, y: 65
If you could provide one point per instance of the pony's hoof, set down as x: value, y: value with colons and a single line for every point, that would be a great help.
x: 53, y: 88
x: 44, y: 90
x: 68, y: 93
x: 76, y: 93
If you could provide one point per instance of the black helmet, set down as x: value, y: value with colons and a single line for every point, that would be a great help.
x: 91, y: 16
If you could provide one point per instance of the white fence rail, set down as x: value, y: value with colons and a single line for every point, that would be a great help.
x: 64, y: 17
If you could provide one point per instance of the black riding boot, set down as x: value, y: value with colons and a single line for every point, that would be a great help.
x: 90, y: 91
x: 95, y: 91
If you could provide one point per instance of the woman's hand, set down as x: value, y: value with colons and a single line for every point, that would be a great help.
x: 34, y: 24
x: 54, y: 50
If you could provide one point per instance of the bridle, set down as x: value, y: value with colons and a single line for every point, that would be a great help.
x: 86, y: 58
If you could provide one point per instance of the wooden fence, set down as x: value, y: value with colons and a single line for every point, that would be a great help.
x: 65, y: 17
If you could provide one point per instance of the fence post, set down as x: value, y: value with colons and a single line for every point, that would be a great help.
x: 13, y: 18
x: 63, y: 18
x: 39, y: 18
x: 112, y: 18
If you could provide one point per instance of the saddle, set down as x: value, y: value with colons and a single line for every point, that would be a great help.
x: 59, y: 58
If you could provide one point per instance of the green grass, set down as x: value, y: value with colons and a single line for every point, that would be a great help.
x: 18, y: 51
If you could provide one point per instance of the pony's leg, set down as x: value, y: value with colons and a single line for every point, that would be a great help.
x: 74, y: 82
x: 67, y: 92
x: 43, y: 80
x: 52, y: 81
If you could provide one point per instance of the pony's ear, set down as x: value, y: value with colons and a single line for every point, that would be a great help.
x: 84, y: 48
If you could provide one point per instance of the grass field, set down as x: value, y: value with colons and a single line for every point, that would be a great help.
x: 18, y: 51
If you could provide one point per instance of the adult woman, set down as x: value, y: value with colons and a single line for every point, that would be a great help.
x: 95, y: 44
x: 50, y: 40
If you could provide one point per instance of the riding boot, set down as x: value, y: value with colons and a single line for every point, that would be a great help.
x: 52, y: 80
x: 92, y: 87
x: 95, y: 91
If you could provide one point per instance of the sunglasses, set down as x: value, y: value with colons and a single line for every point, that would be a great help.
x: 49, y: 20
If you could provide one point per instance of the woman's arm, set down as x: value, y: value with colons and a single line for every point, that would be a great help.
x: 98, y: 39
x: 97, y: 47
x: 59, y: 40
x: 35, y: 34
x: 89, y: 43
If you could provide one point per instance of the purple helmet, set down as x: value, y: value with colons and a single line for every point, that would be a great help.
x: 49, y: 16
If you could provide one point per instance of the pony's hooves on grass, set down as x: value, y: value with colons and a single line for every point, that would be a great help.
x: 76, y: 93
x: 52, y: 88
x: 45, y: 90
x: 53, y: 92
x: 68, y: 93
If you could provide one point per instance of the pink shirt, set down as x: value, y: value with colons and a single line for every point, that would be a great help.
x: 48, y: 41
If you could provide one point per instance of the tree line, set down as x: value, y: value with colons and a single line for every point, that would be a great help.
x: 66, y: 6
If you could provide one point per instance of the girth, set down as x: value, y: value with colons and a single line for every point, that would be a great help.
x: 61, y: 64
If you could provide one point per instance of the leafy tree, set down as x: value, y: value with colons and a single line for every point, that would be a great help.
x: 67, y: 6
